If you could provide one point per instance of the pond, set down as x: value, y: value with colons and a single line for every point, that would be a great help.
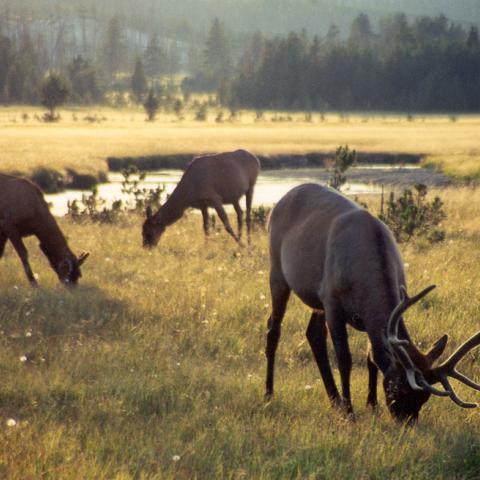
x: 271, y: 184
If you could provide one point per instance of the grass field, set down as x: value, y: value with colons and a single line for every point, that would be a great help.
x: 154, y: 366
x: 27, y: 144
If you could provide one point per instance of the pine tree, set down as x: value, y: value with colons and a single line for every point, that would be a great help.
x: 114, y: 49
x: 152, y: 102
x: 84, y: 81
x: 218, y: 63
x: 54, y: 93
x: 473, y: 41
x: 155, y: 57
x: 361, y: 31
x: 139, y: 80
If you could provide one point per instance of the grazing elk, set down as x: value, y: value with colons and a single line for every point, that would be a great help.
x: 24, y: 212
x: 208, y: 181
x: 344, y: 264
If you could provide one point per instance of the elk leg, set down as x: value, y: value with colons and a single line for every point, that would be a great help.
x: 317, y: 337
x: 239, y: 212
x: 280, y: 293
x: 19, y: 246
x: 205, y: 220
x: 338, y: 332
x: 372, y: 382
x: 3, y: 241
x: 248, y: 202
x: 224, y: 218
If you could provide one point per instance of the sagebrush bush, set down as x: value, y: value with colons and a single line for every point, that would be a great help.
x: 412, y: 215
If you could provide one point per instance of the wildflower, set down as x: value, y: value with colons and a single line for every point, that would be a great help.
x: 176, y: 458
x: 262, y: 297
x: 23, y: 358
x: 308, y: 387
x: 11, y: 422
x: 28, y: 333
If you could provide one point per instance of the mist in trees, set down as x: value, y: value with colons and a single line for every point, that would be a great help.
x: 430, y: 64
x: 247, y: 54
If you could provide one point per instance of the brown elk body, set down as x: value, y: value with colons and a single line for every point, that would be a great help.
x: 209, y: 181
x: 344, y: 264
x: 24, y: 212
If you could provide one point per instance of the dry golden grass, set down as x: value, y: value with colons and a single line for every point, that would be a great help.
x: 154, y: 367
x: 26, y: 145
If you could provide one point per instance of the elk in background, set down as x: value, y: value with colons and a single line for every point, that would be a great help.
x: 208, y: 181
x: 24, y: 212
x: 344, y: 264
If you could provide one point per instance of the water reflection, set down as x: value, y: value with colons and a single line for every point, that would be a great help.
x: 271, y: 185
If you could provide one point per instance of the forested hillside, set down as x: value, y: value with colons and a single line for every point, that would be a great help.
x: 310, y: 54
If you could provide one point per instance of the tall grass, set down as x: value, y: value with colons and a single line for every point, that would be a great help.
x: 154, y: 367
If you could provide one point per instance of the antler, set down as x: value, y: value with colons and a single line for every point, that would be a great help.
x: 447, y: 369
x: 415, y: 377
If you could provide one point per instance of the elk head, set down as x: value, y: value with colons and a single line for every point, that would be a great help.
x: 65, y: 263
x: 68, y: 268
x: 152, y: 229
x: 409, y: 384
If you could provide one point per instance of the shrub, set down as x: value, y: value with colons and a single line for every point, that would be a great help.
x: 344, y: 159
x: 260, y: 217
x: 142, y: 197
x: 54, y: 93
x: 201, y: 113
x: 94, y: 208
x: 412, y: 215
x: 151, y: 105
x: 48, y: 179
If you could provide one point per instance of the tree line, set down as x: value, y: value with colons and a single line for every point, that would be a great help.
x: 426, y: 64
x: 430, y: 64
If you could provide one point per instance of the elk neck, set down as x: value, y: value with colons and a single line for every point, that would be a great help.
x: 174, y: 208
x: 52, y: 241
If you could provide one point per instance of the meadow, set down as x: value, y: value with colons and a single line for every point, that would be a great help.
x: 154, y: 366
x: 84, y: 138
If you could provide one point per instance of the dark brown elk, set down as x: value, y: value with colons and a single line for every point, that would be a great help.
x: 208, y: 181
x: 344, y: 264
x: 24, y: 212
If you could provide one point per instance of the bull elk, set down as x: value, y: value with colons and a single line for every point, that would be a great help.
x: 24, y: 212
x: 208, y: 181
x: 344, y: 264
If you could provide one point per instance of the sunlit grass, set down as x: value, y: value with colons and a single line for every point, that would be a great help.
x: 29, y: 144
x: 154, y: 366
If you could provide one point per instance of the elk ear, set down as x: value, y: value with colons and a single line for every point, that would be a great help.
x: 149, y: 212
x: 437, y: 349
x: 82, y: 257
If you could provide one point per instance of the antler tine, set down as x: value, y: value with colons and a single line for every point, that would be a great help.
x: 447, y: 369
x: 405, y: 303
x: 446, y: 384
x: 415, y: 377
x: 412, y: 372
x: 450, y: 363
